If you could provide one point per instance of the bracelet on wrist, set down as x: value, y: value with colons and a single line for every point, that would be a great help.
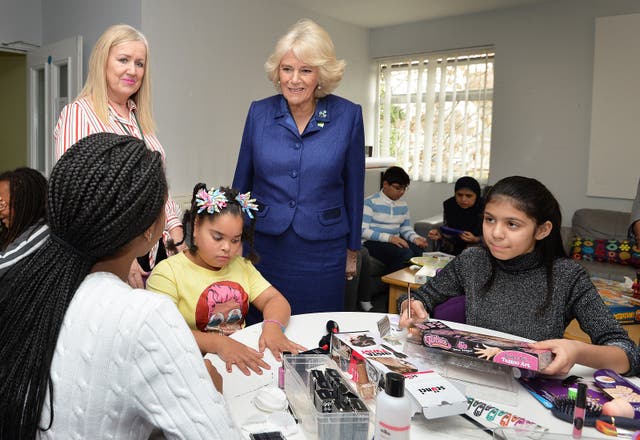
x: 274, y: 321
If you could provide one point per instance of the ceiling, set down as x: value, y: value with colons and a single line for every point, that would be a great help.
x: 379, y: 13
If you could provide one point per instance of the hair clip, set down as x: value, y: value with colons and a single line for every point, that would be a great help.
x: 214, y: 200
x: 247, y: 203
x: 211, y: 201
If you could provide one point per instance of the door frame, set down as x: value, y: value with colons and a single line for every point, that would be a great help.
x: 50, y: 59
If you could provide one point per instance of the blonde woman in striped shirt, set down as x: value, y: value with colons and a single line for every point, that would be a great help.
x: 117, y: 98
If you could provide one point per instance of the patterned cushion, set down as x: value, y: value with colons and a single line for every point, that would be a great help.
x: 613, y: 251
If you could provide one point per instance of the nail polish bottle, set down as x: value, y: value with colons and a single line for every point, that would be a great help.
x: 281, y: 371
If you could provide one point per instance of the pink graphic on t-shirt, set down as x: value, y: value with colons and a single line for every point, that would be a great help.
x: 222, y: 307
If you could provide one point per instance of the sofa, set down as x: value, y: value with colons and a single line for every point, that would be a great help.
x: 602, y: 227
x: 422, y: 227
x: 597, y: 239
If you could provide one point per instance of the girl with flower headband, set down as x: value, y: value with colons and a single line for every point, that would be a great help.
x: 212, y: 284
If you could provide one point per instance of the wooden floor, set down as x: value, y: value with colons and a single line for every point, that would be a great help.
x: 575, y: 332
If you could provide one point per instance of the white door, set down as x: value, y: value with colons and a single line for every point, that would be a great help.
x: 54, y: 78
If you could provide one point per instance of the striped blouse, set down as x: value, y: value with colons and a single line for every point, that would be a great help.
x: 78, y: 120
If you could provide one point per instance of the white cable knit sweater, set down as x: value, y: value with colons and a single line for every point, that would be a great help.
x: 126, y: 363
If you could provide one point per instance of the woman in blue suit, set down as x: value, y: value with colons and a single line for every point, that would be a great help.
x: 302, y: 157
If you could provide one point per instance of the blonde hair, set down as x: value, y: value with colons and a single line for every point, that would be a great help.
x: 310, y: 43
x: 95, y: 88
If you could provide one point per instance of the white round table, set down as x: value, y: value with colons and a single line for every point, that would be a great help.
x: 308, y: 329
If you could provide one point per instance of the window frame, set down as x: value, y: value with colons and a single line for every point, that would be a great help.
x: 411, y: 154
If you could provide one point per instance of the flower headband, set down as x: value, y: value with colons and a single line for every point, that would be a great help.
x: 214, y: 200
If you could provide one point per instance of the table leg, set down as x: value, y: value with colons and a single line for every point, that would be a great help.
x: 394, y: 294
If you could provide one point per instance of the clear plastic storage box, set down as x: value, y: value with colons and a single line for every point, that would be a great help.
x: 342, y: 424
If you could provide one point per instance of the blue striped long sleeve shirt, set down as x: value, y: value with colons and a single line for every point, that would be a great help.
x: 383, y: 218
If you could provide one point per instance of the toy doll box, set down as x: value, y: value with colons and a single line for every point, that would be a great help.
x: 437, y: 335
x: 432, y: 395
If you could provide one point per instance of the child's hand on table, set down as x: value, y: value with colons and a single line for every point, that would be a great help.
x: 275, y: 340
x: 244, y: 357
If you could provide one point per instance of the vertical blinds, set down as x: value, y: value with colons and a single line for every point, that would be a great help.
x: 434, y: 113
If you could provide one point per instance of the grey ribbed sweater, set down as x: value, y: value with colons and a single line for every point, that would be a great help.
x: 518, y: 291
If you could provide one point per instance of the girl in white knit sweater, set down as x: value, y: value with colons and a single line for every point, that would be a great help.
x: 83, y: 355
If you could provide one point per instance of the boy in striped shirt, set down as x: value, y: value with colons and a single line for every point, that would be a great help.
x: 386, y: 224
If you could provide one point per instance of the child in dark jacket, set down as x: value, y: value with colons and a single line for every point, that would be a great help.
x: 462, y: 218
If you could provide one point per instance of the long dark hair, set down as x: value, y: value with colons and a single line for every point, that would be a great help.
x: 27, y: 202
x: 104, y: 191
x: 232, y: 207
x: 536, y: 201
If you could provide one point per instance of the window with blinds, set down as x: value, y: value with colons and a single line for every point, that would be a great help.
x: 434, y: 113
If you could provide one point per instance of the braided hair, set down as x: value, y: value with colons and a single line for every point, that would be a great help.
x: 27, y: 202
x: 104, y: 191
x: 232, y: 207
x: 537, y: 202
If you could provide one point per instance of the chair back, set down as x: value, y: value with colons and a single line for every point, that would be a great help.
x: 452, y: 309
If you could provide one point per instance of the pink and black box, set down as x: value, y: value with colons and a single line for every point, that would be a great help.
x: 438, y: 336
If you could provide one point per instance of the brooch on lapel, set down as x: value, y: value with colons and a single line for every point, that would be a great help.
x: 322, y: 114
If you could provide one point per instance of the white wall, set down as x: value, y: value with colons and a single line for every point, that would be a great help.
x: 89, y: 18
x: 208, y: 58
x: 614, y: 114
x: 207, y: 63
x: 21, y: 20
x: 542, y: 95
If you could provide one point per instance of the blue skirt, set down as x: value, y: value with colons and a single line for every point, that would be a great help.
x: 310, y: 274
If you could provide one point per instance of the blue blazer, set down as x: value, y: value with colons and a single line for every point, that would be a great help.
x: 313, y: 182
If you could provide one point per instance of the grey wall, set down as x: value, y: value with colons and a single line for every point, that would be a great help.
x: 543, y: 87
x: 21, y: 20
x: 89, y: 18
x: 208, y: 58
x: 207, y: 63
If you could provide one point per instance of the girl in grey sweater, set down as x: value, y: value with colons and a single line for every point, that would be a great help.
x: 521, y: 282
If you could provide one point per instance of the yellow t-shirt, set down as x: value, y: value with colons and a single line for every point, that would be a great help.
x: 209, y: 300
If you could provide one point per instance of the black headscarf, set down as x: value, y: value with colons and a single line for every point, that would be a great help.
x: 465, y: 219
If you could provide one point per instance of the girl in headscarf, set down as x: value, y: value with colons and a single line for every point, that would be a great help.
x: 462, y: 217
